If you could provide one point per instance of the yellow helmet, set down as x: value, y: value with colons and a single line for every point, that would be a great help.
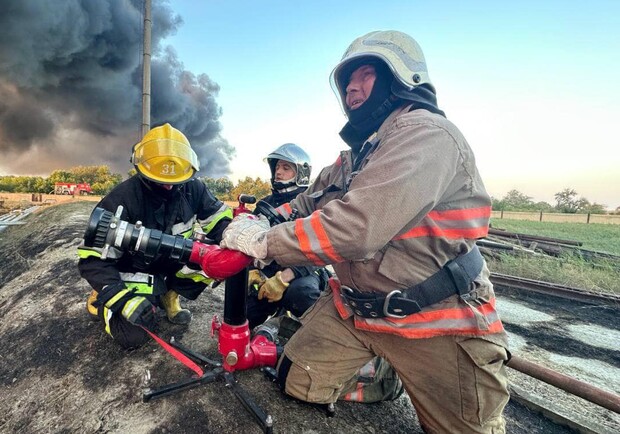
x: 165, y: 156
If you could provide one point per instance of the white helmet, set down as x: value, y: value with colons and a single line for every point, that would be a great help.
x: 399, y: 51
x: 295, y: 155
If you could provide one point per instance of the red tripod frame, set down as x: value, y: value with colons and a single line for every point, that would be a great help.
x: 234, y: 344
x: 237, y: 350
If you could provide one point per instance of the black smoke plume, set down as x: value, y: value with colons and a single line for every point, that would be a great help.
x: 71, y: 87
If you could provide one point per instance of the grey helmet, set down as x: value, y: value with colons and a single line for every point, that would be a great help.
x: 399, y: 51
x: 293, y: 154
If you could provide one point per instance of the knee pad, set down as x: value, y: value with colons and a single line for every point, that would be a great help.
x: 126, y: 334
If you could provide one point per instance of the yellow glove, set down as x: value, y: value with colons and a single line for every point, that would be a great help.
x: 273, y: 288
x: 255, y: 278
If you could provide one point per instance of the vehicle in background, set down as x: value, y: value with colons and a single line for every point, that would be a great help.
x: 72, y: 188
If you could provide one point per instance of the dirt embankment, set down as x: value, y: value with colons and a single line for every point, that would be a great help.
x: 60, y: 373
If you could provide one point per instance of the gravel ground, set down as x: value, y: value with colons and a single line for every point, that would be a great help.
x: 576, y: 339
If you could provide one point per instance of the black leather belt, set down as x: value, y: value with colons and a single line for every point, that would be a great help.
x: 455, y: 277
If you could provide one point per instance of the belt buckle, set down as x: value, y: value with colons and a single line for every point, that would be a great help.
x: 386, y: 305
x: 470, y: 294
x: 346, y: 292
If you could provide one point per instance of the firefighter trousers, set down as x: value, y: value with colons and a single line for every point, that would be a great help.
x: 130, y: 336
x: 456, y: 383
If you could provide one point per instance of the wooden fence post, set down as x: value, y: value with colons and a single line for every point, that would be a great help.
x: 501, y: 214
x: 540, y: 219
x: 588, y: 219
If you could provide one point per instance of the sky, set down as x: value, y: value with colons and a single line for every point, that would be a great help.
x: 533, y: 85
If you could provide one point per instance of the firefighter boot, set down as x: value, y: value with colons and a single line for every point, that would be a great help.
x: 92, y: 310
x: 175, y: 313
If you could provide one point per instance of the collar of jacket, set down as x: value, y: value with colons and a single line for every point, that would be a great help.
x: 286, y: 189
x: 349, y: 157
x: 355, y: 140
x: 282, y: 197
x: 385, y: 126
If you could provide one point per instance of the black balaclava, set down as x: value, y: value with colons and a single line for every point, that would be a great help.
x: 387, y: 94
x: 421, y: 97
x: 367, y: 118
x: 157, y: 189
x: 287, y: 195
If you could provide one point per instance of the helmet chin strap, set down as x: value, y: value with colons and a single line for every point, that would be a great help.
x: 284, y: 186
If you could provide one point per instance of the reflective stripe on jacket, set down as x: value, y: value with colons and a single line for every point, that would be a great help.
x: 205, y: 225
x: 140, y: 283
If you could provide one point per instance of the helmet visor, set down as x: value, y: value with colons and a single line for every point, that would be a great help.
x: 165, y: 148
x: 341, y: 74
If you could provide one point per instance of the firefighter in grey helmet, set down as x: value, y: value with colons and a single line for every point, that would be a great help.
x: 398, y: 216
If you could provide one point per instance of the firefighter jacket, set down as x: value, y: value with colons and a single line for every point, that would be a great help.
x: 413, y: 203
x: 177, y: 212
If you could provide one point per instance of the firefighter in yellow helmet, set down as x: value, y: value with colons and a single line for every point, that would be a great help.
x: 165, y: 157
x: 163, y: 195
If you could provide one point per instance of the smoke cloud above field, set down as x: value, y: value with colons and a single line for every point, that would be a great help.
x: 71, y: 87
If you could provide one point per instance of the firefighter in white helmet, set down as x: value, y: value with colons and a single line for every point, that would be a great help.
x: 290, y: 173
x: 398, y: 217
x: 163, y: 195
x: 276, y: 288
x: 285, y: 293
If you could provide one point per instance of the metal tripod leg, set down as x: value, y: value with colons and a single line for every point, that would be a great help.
x: 192, y: 354
x: 218, y: 373
x: 264, y: 420
x: 190, y: 383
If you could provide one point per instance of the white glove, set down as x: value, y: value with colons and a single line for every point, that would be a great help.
x: 247, y: 233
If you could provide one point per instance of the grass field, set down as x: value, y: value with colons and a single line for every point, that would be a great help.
x: 570, y: 270
x: 599, y: 237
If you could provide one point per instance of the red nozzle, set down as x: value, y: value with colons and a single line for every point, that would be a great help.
x: 216, y: 262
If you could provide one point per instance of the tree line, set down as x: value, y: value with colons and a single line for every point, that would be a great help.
x: 566, y: 201
x: 100, y: 178
x: 102, y: 181
x: 224, y: 189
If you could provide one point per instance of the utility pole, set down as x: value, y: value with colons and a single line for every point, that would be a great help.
x: 146, y: 70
